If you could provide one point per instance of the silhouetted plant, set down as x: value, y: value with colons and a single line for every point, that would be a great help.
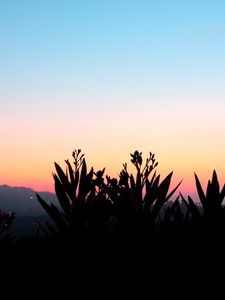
x: 211, y: 201
x: 94, y: 205
x: 141, y: 197
x: 207, y: 219
x: 136, y: 208
x: 213, y: 198
x: 82, y: 197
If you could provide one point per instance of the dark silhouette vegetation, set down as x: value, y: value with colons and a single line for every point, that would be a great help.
x: 134, y: 208
x: 135, y: 220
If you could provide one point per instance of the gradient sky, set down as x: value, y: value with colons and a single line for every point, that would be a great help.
x: 110, y: 77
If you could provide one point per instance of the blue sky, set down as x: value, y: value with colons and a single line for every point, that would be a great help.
x: 48, y: 45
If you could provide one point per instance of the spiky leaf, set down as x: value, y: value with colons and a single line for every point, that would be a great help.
x: 65, y: 181
x: 62, y: 196
x: 201, y: 194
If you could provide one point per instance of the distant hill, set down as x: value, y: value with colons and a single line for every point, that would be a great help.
x: 23, y: 201
x: 28, y: 212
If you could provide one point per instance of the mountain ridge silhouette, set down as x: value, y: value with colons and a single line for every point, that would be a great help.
x: 23, y: 202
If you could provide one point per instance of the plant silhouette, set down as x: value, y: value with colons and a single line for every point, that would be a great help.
x: 135, y: 209
x: 96, y: 207
x: 134, y: 220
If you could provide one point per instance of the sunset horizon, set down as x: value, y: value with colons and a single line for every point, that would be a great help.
x: 112, y: 147
x: 111, y: 78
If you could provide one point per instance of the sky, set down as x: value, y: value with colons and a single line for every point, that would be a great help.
x: 111, y: 77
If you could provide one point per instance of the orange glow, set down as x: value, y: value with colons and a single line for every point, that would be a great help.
x: 181, y: 140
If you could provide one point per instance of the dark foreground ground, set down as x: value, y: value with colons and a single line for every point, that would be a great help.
x: 99, y: 265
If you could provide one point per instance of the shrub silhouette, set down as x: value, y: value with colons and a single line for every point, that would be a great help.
x: 135, y: 215
x: 93, y: 206
x: 207, y: 221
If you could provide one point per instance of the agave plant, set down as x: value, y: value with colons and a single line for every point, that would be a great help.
x: 207, y: 219
x: 211, y: 201
x: 91, y: 203
x: 70, y: 187
x: 84, y: 205
x: 150, y: 195
x: 213, y: 198
x: 141, y: 197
